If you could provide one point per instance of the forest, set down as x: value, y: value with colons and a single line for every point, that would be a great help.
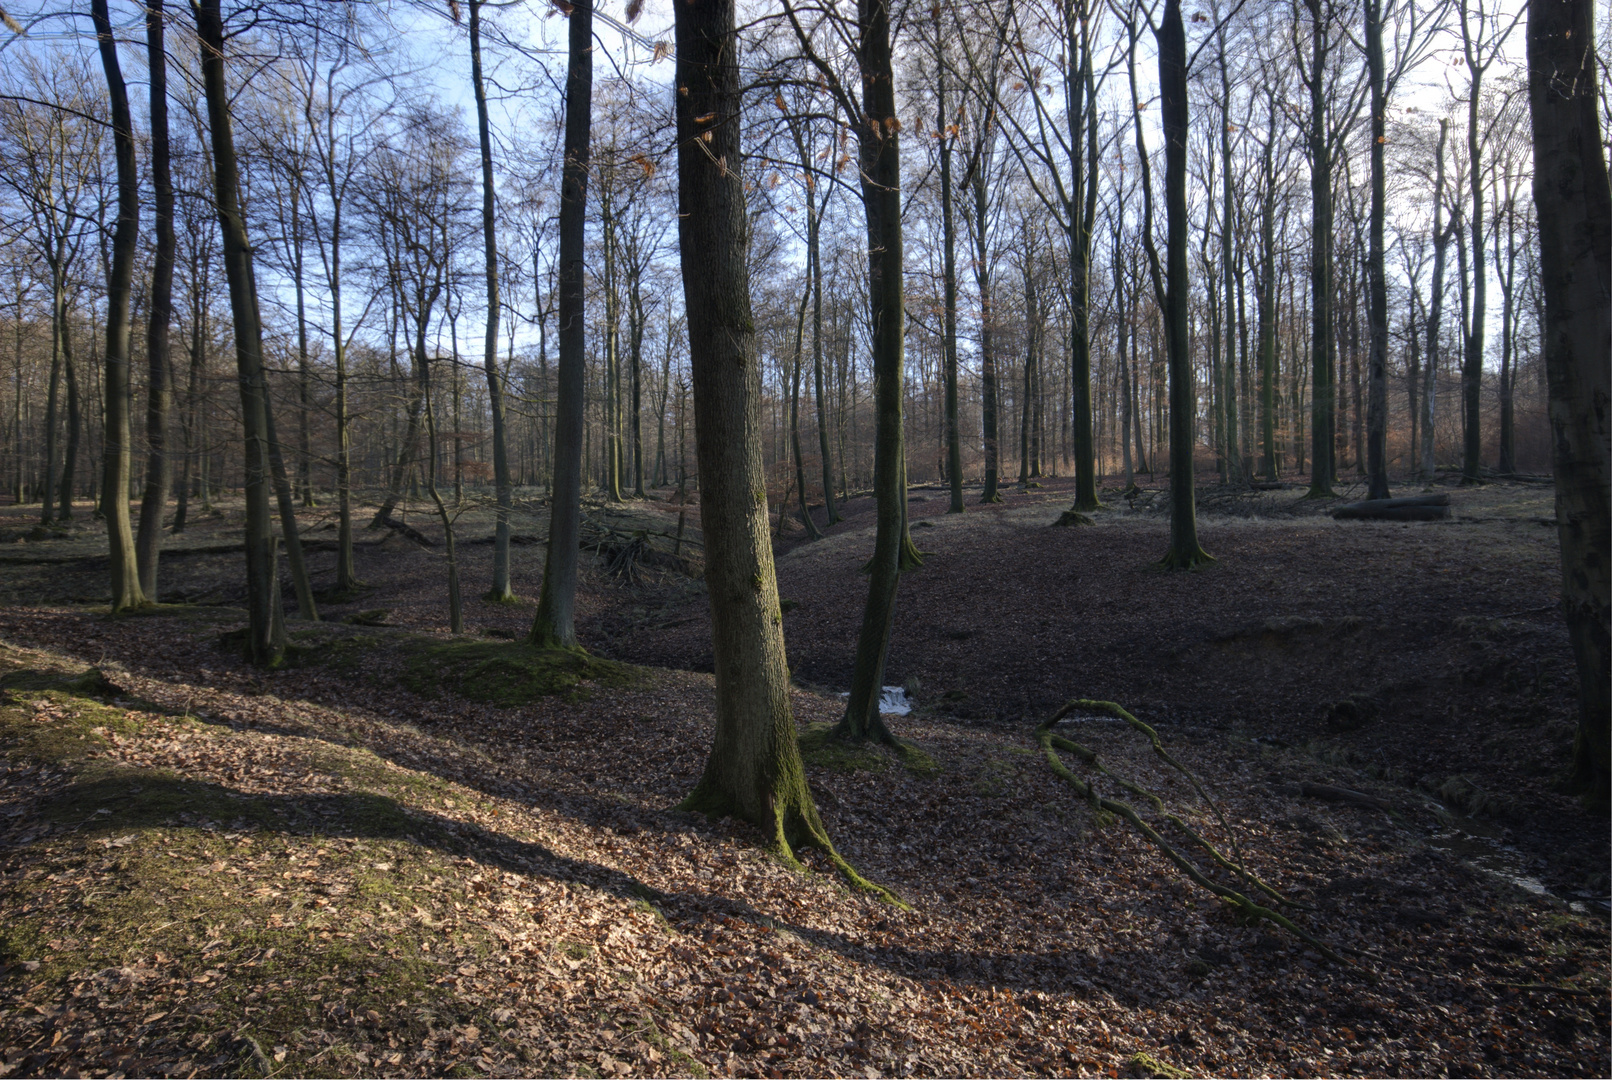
x: 816, y: 537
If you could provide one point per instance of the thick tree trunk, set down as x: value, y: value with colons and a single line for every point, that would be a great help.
x: 1184, y: 551
x: 264, y: 643
x: 754, y: 771
x: 500, y: 593
x: 555, y: 623
x: 125, y: 578
x: 159, y: 394
x: 1575, y: 242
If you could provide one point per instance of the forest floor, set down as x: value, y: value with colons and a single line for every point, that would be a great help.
x: 395, y: 857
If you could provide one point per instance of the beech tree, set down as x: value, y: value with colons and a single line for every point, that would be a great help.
x: 554, y: 626
x: 754, y: 771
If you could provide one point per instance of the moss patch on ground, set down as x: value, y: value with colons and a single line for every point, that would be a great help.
x: 819, y: 747
x: 171, y: 925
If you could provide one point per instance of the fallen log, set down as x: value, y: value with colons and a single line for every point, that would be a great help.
x: 1411, y: 508
x: 407, y: 530
x: 1343, y: 795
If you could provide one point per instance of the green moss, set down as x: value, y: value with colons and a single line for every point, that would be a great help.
x: 509, y: 673
x: 1144, y: 1064
x: 819, y: 747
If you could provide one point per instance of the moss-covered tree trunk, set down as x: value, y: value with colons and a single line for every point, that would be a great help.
x: 1575, y: 244
x: 754, y: 771
x: 555, y: 623
x: 117, y: 452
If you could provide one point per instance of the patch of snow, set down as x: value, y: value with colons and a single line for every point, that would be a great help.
x: 894, y: 701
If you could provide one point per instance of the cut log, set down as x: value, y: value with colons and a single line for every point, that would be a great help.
x: 1410, y: 508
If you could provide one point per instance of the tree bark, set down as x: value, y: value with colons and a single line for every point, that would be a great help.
x: 1575, y: 242
x: 1377, y: 287
x: 948, y: 226
x: 754, y: 770
x: 1435, y: 311
x: 879, y: 141
x: 159, y: 393
x: 1184, y: 551
x: 1324, y: 396
x: 264, y: 643
x: 500, y: 593
x: 125, y: 577
x: 555, y: 623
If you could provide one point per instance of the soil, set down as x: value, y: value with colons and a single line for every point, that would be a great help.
x: 1423, y: 665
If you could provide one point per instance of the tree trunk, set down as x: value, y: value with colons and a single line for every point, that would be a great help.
x: 555, y: 623
x: 1435, y: 311
x: 1575, y: 237
x: 1472, y: 354
x: 75, y: 425
x: 1377, y: 295
x: 754, y: 771
x: 159, y: 395
x: 814, y: 258
x: 500, y: 593
x: 125, y: 578
x: 264, y: 643
x: 1323, y: 397
x: 1184, y: 551
x: 948, y: 226
x: 989, y: 391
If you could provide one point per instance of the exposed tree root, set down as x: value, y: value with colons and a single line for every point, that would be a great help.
x: 793, y: 828
x: 1239, y: 901
x: 1190, y: 560
x: 1073, y: 517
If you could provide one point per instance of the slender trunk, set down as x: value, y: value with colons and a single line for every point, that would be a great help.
x: 75, y: 420
x: 1267, y: 309
x: 812, y: 532
x: 814, y: 258
x: 58, y: 336
x: 1574, y: 204
x: 159, y: 395
x: 989, y: 402
x: 1228, y: 265
x: 1472, y: 355
x: 948, y: 225
x: 1377, y: 297
x: 880, y: 152
x: 555, y: 622
x: 1323, y: 397
x: 456, y: 620
x: 264, y: 643
x: 1435, y: 310
x: 1184, y: 551
x: 125, y: 578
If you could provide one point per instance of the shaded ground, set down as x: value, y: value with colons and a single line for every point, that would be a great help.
x: 320, y: 870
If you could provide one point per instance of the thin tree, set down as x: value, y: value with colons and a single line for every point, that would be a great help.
x: 500, y: 593
x: 159, y: 311
x: 555, y: 623
x: 125, y: 575
x: 265, y: 638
